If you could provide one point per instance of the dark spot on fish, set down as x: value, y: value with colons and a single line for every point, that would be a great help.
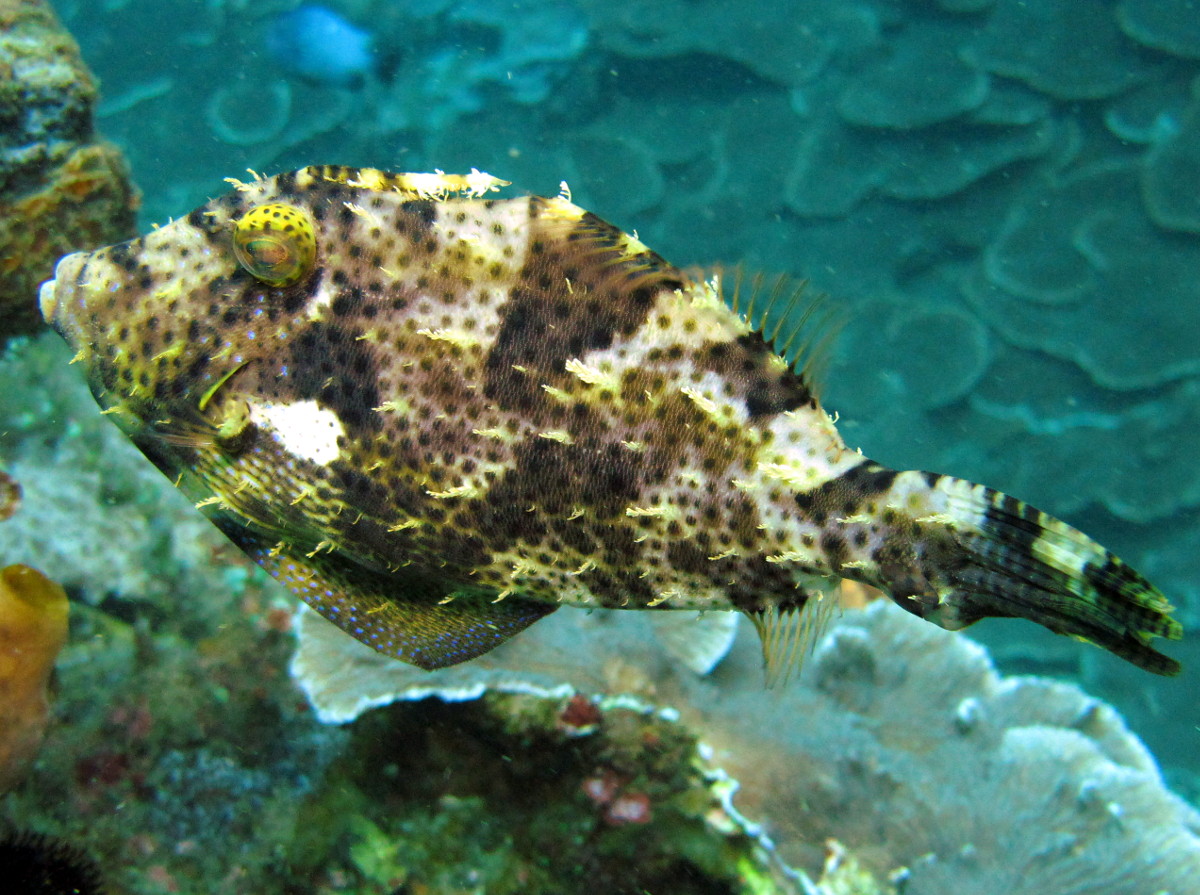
x: 314, y: 375
x: 689, y: 556
x: 855, y: 484
x: 286, y: 182
x: 834, y: 547
x: 421, y: 212
x: 196, y: 368
x: 118, y: 254
x: 198, y: 219
x: 347, y: 302
x: 643, y: 296
x: 293, y: 301
x: 360, y: 490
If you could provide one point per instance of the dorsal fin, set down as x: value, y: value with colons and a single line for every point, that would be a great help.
x: 625, y: 264
x: 788, y: 635
x: 798, y: 326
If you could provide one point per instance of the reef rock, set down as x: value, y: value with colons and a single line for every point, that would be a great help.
x: 60, y: 188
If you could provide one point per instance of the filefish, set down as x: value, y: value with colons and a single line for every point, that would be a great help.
x: 437, y: 415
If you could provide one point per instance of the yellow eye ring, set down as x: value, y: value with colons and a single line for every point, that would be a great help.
x: 275, y: 243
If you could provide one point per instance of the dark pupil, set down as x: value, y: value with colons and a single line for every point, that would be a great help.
x: 268, y: 253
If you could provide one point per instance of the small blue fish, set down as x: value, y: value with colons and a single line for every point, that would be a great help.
x: 318, y: 44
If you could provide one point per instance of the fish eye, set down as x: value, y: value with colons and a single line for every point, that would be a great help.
x: 275, y: 243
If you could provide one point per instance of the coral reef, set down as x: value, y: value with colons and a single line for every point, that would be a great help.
x: 1167, y: 25
x: 250, y: 113
x: 82, y: 482
x: 33, y: 628
x: 60, y: 188
x: 1085, y: 248
x: 901, y: 742
x: 1172, y: 160
x: 503, y: 796
x: 914, y: 83
x: 1039, y: 44
x: 182, y: 758
x: 767, y: 133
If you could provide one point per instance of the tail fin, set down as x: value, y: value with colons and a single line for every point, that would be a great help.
x: 994, y: 556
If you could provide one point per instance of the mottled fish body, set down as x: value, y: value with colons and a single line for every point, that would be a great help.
x: 436, y: 415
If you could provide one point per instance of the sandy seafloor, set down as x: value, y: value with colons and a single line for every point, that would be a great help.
x: 998, y: 197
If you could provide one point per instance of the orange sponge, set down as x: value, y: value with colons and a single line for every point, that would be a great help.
x: 33, y: 628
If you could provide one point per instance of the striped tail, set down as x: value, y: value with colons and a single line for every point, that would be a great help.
x: 990, y: 555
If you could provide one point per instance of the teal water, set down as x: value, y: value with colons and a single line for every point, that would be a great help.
x: 999, y: 197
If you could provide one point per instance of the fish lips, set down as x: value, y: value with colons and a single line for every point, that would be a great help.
x: 55, y: 296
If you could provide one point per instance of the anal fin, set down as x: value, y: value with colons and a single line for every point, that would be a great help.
x: 789, y: 634
x: 416, y: 619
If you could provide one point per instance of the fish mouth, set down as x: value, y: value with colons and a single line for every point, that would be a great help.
x: 50, y: 293
x: 47, y: 300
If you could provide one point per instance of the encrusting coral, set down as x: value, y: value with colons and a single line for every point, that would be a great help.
x: 33, y: 628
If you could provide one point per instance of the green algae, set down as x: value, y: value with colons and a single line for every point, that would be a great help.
x: 495, y: 796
